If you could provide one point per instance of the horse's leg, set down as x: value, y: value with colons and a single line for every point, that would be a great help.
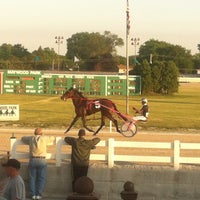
x: 116, y: 125
x: 111, y: 118
x: 102, y: 124
x: 84, y: 124
x: 72, y: 123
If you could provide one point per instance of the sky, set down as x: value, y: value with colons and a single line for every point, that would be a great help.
x: 35, y: 23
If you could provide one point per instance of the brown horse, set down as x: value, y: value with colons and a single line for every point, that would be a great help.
x: 84, y: 107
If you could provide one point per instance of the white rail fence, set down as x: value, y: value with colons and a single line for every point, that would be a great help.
x: 110, y: 157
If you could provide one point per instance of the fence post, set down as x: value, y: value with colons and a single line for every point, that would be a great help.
x: 12, y: 146
x: 58, y: 151
x: 111, y: 155
x: 110, y: 126
x: 176, y: 154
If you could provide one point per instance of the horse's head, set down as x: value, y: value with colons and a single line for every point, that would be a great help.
x: 68, y: 94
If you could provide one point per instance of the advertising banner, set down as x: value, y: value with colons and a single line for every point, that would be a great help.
x: 9, y: 112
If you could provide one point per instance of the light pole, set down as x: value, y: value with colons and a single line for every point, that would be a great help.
x: 135, y: 42
x: 59, y: 41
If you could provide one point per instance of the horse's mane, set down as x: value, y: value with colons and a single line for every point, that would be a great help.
x: 78, y: 92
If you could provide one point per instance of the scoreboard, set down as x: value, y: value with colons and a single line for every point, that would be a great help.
x: 49, y: 82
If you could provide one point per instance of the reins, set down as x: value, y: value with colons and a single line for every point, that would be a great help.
x: 92, y: 101
x: 116, y: 111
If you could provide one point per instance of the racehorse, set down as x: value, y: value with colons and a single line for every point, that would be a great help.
x: 85, y: 107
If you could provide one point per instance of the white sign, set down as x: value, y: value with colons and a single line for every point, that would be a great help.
x: 9, y: 112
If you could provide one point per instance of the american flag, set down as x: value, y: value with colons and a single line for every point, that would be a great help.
x: 127, y: 20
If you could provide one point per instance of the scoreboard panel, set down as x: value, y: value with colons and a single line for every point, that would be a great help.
x: 45, y: 82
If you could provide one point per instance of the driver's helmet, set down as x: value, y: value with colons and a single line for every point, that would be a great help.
x: 144, y: 100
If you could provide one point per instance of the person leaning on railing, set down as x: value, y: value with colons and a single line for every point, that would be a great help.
x: 37, y: 162
x: 80, y: 154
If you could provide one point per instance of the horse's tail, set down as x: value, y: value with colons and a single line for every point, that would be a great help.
x: 122, y: 116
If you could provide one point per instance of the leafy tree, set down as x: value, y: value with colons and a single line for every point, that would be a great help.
x: 94, y: 49
x: 19, y: 51
x: 144, y: 70
x: 156, y: 74
x: 14, y: 57
x: 121, y: 60
x: 198, y: 46
x: 163, y: 51
x: 5, y: 51
x: 169, y: 82
x: 97, y: 52
x: 196, y: 61
x: 161, y: 77
x: 43, y: 59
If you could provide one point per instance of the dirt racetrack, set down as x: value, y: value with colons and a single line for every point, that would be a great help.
x: 191, y: 136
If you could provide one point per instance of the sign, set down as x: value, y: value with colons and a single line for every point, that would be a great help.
x: 9, y: 112
x: 42, y: 82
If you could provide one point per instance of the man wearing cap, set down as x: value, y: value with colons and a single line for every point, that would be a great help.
x: 144, y: 111
x: 15, y: 188
x: 80, y: 154
x: 37, y: 163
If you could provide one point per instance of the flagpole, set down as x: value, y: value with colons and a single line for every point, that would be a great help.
x: 127, y: 56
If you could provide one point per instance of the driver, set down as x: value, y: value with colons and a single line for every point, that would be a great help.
x: 144, y: 111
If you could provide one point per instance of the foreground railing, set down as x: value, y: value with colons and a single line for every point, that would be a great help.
x: 110, y: 157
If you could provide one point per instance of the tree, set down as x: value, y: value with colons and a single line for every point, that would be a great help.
x: 19, y: 51
x: 161, y: 77
x: 144, y: 70
x: 156, y: 74
x: 198, y: 46
x: 94, y: 49
x: 43, y: 59
x: 196, y: 61
x: 5, y: 51
x: 163, y: 51
x: 14, y: 57
x: 169, y: 83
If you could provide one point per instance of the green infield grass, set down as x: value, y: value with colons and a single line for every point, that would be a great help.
x: 177, y: 111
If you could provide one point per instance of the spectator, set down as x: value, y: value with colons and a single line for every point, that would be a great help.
x: 37, y: 162
x: 80, y: 154
x: 14, y: 188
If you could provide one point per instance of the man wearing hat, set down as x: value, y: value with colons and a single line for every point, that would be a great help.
x: 80, y: 154
x: 37, y: 162
x: 15, y: 188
